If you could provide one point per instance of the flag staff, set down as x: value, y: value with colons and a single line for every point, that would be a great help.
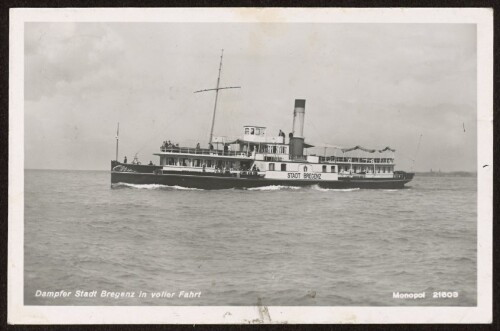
x: 117, y: 139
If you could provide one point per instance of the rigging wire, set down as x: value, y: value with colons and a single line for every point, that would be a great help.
x: 156, y: 131
x: 318, y: 132
x: 231, y: 119
x: 416, y: 153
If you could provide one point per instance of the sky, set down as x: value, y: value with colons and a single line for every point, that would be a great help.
x: 373, y: 85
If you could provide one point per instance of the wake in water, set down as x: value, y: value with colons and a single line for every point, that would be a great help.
x: 262, y: 188
x: 274, y: 188
x: 312, y: 187
x: 318, y: 188
x: 155, y: 187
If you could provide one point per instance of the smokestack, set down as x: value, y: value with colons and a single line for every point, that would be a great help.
x: 296, y: 149
x: 298, y: 118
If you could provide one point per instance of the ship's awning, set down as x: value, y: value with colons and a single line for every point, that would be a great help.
x: 358, y: 147
x: 350, y: 149
x: 387, y: 149
x: 344, y: 150
x: 240, y: 141
x: 327, y: 146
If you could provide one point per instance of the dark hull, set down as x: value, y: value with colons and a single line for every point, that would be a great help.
x: 221, y: 181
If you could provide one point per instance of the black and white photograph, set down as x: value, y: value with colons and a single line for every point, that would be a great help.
x: 250, y: 166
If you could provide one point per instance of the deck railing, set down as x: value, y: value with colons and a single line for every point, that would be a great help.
x: 333, y: 159
x: 273, y: 157
x: 203, y: 151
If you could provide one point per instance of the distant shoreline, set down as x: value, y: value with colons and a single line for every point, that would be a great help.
x: 446, y: 174
x: 100, y: 170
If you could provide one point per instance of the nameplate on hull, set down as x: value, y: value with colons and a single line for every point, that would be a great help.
x: 301, y: 175
x: 305, y: 175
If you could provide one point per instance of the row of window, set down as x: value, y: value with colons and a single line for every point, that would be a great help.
x: 355, y: 159
x: 255, y: 131
x: 279, y: 149
x: 357, y: 169
x: 271, y: 149
x: 185, y: 162
x: 271, y: 167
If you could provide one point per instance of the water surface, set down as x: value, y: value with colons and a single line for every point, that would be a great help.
x: 273, y: 246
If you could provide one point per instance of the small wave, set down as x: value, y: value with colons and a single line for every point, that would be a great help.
x: 390, y: 190
x: 155, y: 187
x: 463, y: 259
x: 273, y: 188
x: 316, y: 187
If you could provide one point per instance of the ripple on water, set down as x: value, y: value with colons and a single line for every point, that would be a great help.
x: 284, y: 245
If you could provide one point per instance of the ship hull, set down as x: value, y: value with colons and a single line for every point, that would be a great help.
x: 224, y: 181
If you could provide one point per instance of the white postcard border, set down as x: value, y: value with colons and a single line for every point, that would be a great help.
x: 20, y: 314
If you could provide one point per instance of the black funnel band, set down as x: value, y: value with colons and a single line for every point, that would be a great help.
x: 300, y: 103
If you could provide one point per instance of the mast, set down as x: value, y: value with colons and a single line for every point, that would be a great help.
x: 216, y: 96
x: 216, y: 89
x: 117, y: 139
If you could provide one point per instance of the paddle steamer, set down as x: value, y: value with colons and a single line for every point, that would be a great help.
x: 257, y: 159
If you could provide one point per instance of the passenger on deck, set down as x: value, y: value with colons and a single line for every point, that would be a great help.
x: 150, y: 162
x: 198, y: 146
x: 125, y: 160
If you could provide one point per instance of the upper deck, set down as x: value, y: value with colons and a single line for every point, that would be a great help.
x: 262, y: 151
x: 203, y: 152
